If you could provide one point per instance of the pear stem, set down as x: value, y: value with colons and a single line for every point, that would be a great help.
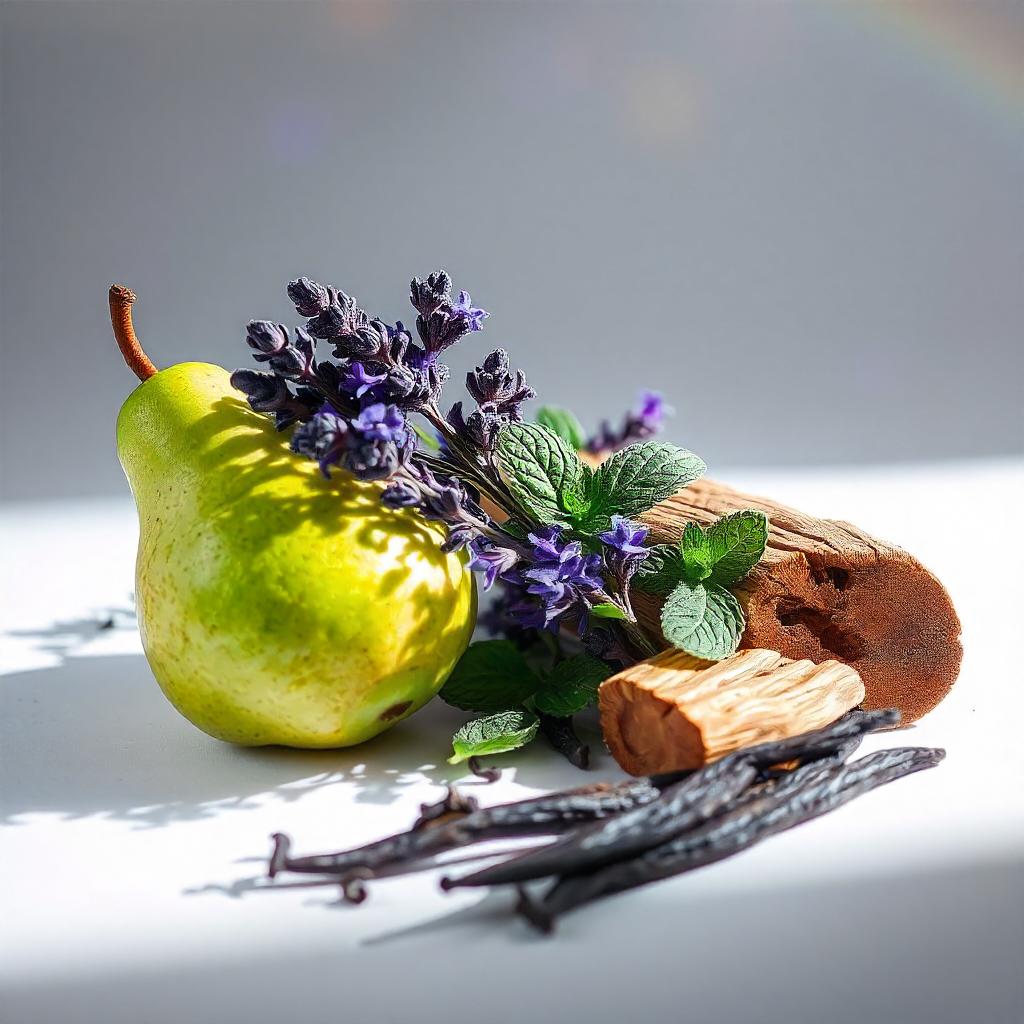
x: 121, y: 299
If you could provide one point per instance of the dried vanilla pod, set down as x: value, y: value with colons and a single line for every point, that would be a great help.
x: 806, y: 793
x: 681, y: 806
x: 543, y: 815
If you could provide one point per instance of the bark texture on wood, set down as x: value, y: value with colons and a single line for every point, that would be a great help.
x: 674, y: 712
x: 827, y: 590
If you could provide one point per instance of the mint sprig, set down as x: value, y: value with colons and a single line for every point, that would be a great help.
x: 490, y: 676
x: 495, y: 734
x: 493, y: 678
x: 701, y: 616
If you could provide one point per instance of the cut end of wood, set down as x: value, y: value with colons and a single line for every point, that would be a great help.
x: 674, y: 712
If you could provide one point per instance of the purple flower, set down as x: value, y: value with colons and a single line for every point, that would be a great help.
x: 473, y: 315
x: 358, y: 380
x: 626, y: 537
x: 490, y: 559
x: 561, y: 576
x: 426, y: 296
x: 639, y: 424
x: 380, y: 422
x: 325, y: 437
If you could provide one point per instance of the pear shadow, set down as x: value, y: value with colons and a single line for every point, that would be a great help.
x: 94, y: 737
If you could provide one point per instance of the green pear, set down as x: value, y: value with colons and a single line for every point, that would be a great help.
x: 277, y: 606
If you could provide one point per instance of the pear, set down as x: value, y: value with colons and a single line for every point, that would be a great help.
x: 275, y: 606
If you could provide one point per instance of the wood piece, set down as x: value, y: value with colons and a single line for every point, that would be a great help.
x: 674, y: 712
x: 827, y: 590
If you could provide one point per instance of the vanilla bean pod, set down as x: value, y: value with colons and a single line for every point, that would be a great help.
x: 543, y: 815
x: 683, y: 805
x: 806, y: 793
x: 559, y: 732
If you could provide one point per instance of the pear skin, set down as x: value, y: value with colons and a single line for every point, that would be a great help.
x: 277, y: 606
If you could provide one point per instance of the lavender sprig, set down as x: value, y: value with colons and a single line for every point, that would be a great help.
x: 558, y: 538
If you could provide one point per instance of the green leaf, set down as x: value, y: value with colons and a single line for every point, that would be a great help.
x: 571, y: 686
x: 490, y: 676
x: 495, y: 734
x: 661, y: 570
x: 540, y: 469
x: 563, y: 423
x: 726, y: 550
x: 704, y: 620
x: 683, y: 612
x: 428, y: 437
x: 719, y: 632
x: 634, y: 479
x: 607, y: 611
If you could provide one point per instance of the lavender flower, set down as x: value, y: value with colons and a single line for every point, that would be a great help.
x: 465, y: 310
x: 372, y: 446
x: 624, y: 549
x: 324, y: 438
x: 561, y: 577
x: 641, y: 423
x: 382, y: 422
x: 357, y: 380
x: 491, y: 559
x: 266, y: 392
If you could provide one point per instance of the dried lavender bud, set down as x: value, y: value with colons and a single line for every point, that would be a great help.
x: 496, y: 389
x: 266, y: 392
x: 400, y: 495
x: 341, y: 318
x: 428, y: 295
x: 266, y: 339
x: 273, y: 345
x: 310, y: 297
x: 324, y: 438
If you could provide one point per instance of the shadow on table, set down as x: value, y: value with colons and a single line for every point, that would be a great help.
x: 95, y: 736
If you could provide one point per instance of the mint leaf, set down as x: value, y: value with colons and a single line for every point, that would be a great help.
x: 683, y: 612
x: 540, y: 469
x: 495, y: 734
x: 661, y: 570
x: 571, y: 686
x: 634, y: 479
x: 719, y: 632
x: 704, y: 620
x: 563, y: 423
x: 737, y: 542
x: 492, y: 675
x: 607, y: 611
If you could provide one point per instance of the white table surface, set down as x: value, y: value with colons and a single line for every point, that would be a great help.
x: 130, y: 843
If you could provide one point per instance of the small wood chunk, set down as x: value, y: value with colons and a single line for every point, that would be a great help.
x: 674, y: 712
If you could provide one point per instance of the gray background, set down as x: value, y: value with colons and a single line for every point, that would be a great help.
x: 802, y: 222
